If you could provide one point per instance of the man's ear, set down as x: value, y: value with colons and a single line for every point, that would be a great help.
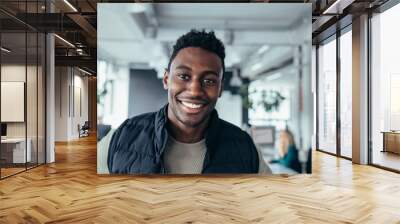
x: 165, y: 79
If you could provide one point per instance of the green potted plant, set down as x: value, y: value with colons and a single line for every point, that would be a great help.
x: 270, y: 99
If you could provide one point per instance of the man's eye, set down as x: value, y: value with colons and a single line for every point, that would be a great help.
x: 183, y: 76
x: 209, y: 82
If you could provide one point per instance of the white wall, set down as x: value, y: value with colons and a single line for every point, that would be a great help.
x: 116, y: 102
x: 70, y: 82
x: 33, y: 126
x: 79, y: 117
x: 61, y: 103
x: 229, y: 108
x: 12, y: 73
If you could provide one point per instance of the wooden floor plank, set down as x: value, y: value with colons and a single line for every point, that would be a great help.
x: 70, y: 191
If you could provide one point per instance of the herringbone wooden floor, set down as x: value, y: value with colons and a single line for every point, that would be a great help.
x: 70, y: 191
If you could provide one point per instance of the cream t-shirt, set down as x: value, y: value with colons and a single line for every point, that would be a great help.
x: 184, y: 158
x: 188, y: 158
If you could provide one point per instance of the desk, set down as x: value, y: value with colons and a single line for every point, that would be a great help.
x: 391, y: 141
x: 15, y: 148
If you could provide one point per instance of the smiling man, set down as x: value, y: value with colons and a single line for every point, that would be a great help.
x: 186, y: 136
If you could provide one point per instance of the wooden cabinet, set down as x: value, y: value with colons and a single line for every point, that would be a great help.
x: 391, y: 142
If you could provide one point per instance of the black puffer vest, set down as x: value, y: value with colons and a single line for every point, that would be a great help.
x: 137, y: 146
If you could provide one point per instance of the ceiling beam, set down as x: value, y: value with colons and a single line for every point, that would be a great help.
x: 82, y: 61
x: 84, y: 24
x: 337, y: 7
x: 49, y: 22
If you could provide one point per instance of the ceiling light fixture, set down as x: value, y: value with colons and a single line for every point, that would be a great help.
x: 70, y: 5
x: 84, y: 71
x: 263, y: 49
x: 5, y: 50
x: 64, y: 40
x: 274, y: 76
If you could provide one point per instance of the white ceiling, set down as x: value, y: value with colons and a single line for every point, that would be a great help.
x: 144, y: 33
x: 228, y: 16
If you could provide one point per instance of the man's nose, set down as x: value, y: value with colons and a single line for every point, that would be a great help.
x: 195, y: 88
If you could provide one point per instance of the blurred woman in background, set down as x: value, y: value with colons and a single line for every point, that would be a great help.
x: 288, y: 153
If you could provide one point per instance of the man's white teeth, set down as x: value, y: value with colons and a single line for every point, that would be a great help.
x: 191, y: 105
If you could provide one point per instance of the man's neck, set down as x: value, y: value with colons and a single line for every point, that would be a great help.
x: 187, y: 134
x: 184, y: 133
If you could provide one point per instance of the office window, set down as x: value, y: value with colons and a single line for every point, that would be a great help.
x: 385, y: 89
x: 327, y: 96
x: 346, y: 94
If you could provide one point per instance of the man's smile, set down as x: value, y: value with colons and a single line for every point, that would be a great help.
x: 192, y: 106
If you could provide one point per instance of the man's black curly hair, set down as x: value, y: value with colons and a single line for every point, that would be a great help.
x: 205, y: 40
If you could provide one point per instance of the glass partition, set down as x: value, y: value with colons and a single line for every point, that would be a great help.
x: 22, y: 90
x: 33, y: 61
x: 13, y: 110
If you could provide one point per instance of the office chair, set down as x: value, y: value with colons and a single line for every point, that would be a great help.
x: 84, y: 130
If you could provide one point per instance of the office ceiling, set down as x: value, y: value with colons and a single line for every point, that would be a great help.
x: 159, y: 25
x: 76, y: 24
x: 326, y: 15
x: 142, y: 35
